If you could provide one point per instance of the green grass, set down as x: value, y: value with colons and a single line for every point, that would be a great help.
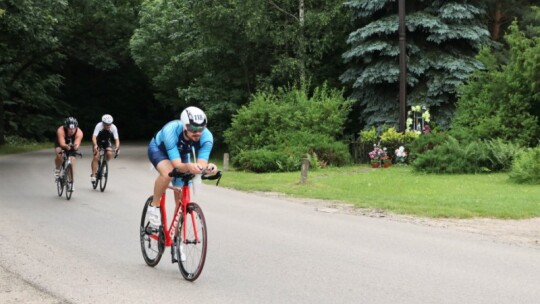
x: 400, y: 190
x: 24, y: 147
x: 396, y: 189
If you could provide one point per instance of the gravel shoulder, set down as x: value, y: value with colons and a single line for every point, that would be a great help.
x: 524, y: 232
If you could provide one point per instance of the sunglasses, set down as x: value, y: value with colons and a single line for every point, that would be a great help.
x: 195, y: 129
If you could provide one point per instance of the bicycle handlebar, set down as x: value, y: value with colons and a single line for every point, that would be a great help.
x: 187, y: 176
x: 71, y: 153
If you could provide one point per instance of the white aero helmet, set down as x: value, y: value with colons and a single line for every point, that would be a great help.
x: 193, y: 119
x: 107, y: 119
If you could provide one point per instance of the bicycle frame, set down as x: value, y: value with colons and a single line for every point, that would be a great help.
x: 180, y: 208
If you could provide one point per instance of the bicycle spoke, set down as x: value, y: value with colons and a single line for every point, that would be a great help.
x: 193, y: 237
x: 152, y: 240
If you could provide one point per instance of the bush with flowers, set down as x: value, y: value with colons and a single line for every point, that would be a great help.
x: 377, y: 154
x: 401, y: 155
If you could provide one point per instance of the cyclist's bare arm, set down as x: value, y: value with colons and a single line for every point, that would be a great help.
x: 117, y: 146
x: 78, y: 139
x: 61, y: 135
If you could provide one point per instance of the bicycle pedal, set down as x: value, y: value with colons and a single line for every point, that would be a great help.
x: 151, y: 230
x: 173, y: 253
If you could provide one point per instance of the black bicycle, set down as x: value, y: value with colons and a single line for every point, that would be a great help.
x: 65, y: 176
x: 102, y: 173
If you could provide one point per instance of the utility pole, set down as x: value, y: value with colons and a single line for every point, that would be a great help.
x: 402, y: 67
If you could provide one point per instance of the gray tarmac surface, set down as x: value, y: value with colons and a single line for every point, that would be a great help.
x: 262, y: 248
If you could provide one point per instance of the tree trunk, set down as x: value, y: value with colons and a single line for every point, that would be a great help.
x: 496, y: 25
x: 302, y: 42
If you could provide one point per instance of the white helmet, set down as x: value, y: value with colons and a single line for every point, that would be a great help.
x: 107, y: 119
x: 193, y: 119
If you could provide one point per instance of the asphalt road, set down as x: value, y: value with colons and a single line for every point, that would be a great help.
x: 261, y: 249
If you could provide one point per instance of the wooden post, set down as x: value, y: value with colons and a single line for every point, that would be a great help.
x: 304, y: 171
x: 225, y: 161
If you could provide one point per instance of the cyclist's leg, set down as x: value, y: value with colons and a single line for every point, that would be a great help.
x: 163, y: 165
x: 58, y: 158
x: 177, y: 196
x: 109, y: 149
x: 94, y: 164
x: 162, y: 181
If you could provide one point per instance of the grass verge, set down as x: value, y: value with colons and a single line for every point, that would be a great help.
x: 400, y: 190
x: 24, y: 147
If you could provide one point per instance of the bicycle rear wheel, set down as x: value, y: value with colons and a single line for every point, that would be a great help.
x: 104, y: 173
x: 68, y: 174
x: 152, y: 240
x: 192, y: 236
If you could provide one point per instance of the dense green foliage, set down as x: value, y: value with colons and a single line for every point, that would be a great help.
x: 454, y: 157
x: 292, y: 123
x: 215, y: 54
x: 526, y: 169
x: 498, y: 102
x: 30, y: 42
x: 88, y: 57
x: 60, y: 58
x: 442, y: 39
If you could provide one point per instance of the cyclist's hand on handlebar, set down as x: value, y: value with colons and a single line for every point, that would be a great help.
x: 211, y: 169
x: 194, y: 168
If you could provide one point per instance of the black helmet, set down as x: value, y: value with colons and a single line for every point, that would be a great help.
x: 71, y: 123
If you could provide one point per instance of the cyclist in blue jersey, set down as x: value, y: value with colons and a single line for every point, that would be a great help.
x: 172, y: 147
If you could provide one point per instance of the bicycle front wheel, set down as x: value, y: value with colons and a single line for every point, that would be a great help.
x: 104, y: 171
x: 69, y: 181
x: 60, y: 185
x: 192, y: 242
x: 152, y: 240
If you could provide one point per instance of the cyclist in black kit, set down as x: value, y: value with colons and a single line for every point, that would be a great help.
x: 68, y: 136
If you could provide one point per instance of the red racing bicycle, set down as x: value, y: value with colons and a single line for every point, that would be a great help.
x: 186, y: 235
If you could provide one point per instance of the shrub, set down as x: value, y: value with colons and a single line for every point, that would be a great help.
x: 499, y: 102
x: 271, y: 113
x: 264, y: 160
x: 290, y: 123
x: 391, y: 140
x: 453, y: 157
x: 425, y: 143
x: 501, y: 154
x: 369, y: 136
x: 526, y: 168
x: 15, y: 140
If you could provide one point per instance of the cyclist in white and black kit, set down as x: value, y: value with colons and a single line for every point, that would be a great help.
x: 104, y: 132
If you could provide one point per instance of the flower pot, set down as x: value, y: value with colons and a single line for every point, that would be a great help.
x: 387, y: 164
x: 375, y: 165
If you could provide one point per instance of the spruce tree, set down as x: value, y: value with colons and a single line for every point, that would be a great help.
x: 442, y: 39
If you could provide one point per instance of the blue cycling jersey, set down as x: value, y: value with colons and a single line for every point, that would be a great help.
x: 171, y: 141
